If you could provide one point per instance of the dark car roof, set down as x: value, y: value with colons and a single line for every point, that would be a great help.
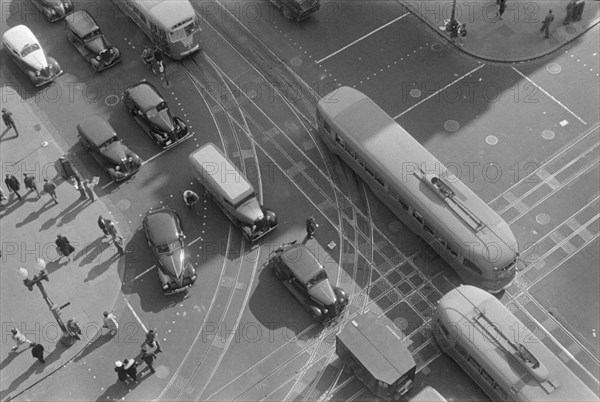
x: 302, y: 262
x: 81, y: 23
x: 162, y: 225
x: 144, y: 95
x: 96, y: 130
x: 378, y: 345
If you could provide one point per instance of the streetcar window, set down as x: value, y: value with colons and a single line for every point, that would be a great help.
x: 471, y: 266
x: 393, y: 193
x: 487, y: 377
x: 369, y: 171
x: 500, y: 392
x: 461, y: 350
x: 403, y: 204
x: 453, y: 253
x: 328, y: 129
x: 379, y: 180
x: 475, y: 365
x: 418, y: 216
x: 337, y: 136
x: 428, y: 229
x: 350, y: 151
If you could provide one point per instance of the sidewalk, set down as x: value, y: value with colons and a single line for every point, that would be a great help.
x: 517, y: 36
x: 91, y: 283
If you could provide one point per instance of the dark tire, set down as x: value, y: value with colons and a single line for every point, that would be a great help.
x: 287, y: 13
x: 277, y: 274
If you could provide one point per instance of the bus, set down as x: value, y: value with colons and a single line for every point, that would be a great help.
x: 419, y: 189
x: 171, y: 24
x: 499, y: 352
x: 428, y: 394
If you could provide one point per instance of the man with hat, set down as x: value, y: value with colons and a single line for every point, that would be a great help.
x: 9, y: 122
x: 121, y: 373
x: 130, y: 366
x: 110, y: 322
x: 19, y: 339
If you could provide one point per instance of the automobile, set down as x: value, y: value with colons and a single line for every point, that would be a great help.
x: 84, y: 33
x: 152, y: 113
x: 54, y: 10
x: 296, y: 10
x: 101, y: 140
x: 166, y: 239
x: 305, y: 277
x: 27, y: 53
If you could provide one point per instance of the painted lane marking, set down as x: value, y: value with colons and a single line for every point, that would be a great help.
x: 361, y: 38
x: 136, y: 316
x: 550, y: 96
x: 440, y: 90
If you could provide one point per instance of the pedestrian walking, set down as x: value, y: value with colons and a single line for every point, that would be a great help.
x: 501, y: 8
x: 2, y: 196
x: 74, y: 329
x: 79, y: 186
x: 29, y: 181
x: 190, y: 198
x: 89, y: 189
x: 50, y: 188
x: 546, y: 24
x: 119, y: 244
x: 151, y: 341
x: 13, y: 184
x: 311, y: 226
x: 570, y: 11
x: 148, y: 358
x: 66, y: 167
x: 37, y: 351
x: 578, y: 10
x: 462, y: 33
x: 130, y: 366
x: 9, y: 122
x: 159, y: 60
x: 110, y: 322
x: 19, y: 339
x: 112, y: 228
x: 102, y: 225
x: 120, y: 370
x: 64, y: 247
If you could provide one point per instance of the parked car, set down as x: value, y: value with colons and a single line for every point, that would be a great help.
x: 152, y: 113
x: 304, y: 276
x: 54, y: 10
x: 296, y: 10
x: 165, y: 237
x: 84, y: 33
x: 101, y: 140
x: 27, y: 53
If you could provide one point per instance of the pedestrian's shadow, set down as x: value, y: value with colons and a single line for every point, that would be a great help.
x: 117, y: 391
x: 33, y: 215
x: 72, y: 214
x: 11, y: 356
x: 94, y: 345
x: 56, y: 264
x: 97, y: 270
x: 92, y: 251
x: 6, y: 130
x: 13, y: 203
x: 50, y: 222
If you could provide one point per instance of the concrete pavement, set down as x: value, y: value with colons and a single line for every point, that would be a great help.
x: 91, y: 283
x: 514, y: 38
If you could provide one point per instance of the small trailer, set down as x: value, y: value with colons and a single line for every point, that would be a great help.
x: 374, y: 349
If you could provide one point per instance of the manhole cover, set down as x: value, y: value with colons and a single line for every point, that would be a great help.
x: 436, y: 47
x: 548, y: 134
x: 252, y: 93
x: 401, y: 323
x: 543, y: 218
x: 296, y: 61
x: 491, y: 139
x: 571, y: 30
x: 554, y: 68
x: 111, y: 100
x: 451, y: 126
x: 124, y: 204
x: 415, y: 93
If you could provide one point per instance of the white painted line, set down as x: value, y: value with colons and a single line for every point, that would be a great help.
x: 359, y: 39
x: 550, y: 96
x: 136, y: 316
x: 440, y: 90
x: 143, y: 273
x: 195, y: 240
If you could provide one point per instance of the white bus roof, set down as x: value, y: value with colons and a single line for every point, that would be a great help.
x: 221, y: 172
x: 168, y: 12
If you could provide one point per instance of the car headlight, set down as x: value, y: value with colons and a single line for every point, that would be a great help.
x: 37, y: 73
x: 117, y: 167
x: 98, y: 58
x: 130, y: 159
x: 325, y: 311
x: 165, y: 286
x: 194, y: 277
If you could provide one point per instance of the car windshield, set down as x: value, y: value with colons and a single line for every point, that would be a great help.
x: 168, y: 248
x: 154, y: 111
x: 108, y: 142
x: 91, y: 35
x: 29, y: 48
x: 321, y: 275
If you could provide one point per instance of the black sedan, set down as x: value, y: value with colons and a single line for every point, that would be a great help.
x: 101, y: 140
x: 304, y: 276
x: 152, y: 113
x: 54, y: 10
x: 84, y: 33
x: 165, y: 237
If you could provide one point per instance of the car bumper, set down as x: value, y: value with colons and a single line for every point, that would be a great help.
x: 41, y: 81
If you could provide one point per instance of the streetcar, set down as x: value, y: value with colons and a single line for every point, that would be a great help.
x: 499, y: 352
x: 171, y: 24
x: 419, y: 189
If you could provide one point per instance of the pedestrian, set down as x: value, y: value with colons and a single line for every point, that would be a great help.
x: 89, y: 189
x: 311, y: 226
x: 9, y: 122
x: 2, y: 196
x: 79, y: 186
x: 151, y: 341
x: 29, y: 181
x: 73, y: 328
x: 501, y: 8
x: 190, y: 198
x: 570, y: 11
x: 130, y: 366
x: 454, y: 30
x: 148, y: 358
x: 112, y: 228
x: 64, y: 247
x: 50, y: 188
x: 119, y: 244
x: 120, y: 370
x: 37, y: 351
x: 159, y: 60
x: 462, y: 33
x: 578, y: 10
x: 13, y: 184
x: 110, y: 322
x: 546, y: 24
x: 19, y: 339
x: 102, y: 225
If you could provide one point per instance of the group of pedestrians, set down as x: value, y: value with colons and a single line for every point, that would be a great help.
x: 128, y: 368
x: 37, y: 349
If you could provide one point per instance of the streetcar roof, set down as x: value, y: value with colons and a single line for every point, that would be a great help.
x: 378, y: 344
x: 397, y: 155
x: 459, y: 310
x: 221, y: 173
x: 168, y: 12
